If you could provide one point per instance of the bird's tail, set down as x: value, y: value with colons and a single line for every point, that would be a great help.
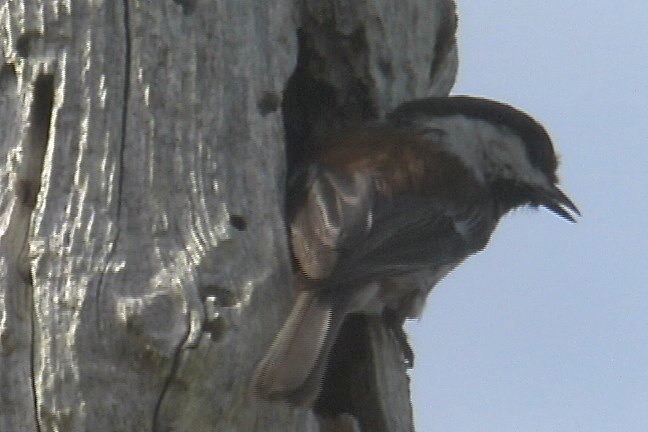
x: 294, y: 366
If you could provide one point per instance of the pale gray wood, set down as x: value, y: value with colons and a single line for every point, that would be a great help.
x: 143, y: 259
x: 16, y: 395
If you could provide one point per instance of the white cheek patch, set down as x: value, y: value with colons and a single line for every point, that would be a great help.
x: 491, y: 151
x: 459, y: 138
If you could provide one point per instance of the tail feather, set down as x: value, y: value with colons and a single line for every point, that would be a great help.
x: 294, y: 366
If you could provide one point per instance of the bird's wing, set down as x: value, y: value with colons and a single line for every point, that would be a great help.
x: 348, y: 232
x: 409, y: 233
x: 335, y: 211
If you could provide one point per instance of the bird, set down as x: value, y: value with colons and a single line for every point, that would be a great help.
x: 387, y: 209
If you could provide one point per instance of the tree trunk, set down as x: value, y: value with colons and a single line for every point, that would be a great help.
x: 143, y: 255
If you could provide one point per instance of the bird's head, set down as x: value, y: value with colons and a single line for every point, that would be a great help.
x: 504, y: 148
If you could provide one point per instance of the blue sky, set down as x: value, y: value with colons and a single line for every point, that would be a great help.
x: 547, y: 330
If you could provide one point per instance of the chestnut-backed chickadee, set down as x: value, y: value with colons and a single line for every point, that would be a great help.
x: 389, y: 209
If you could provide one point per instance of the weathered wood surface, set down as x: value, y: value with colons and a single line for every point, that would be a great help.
x: 143, y: 258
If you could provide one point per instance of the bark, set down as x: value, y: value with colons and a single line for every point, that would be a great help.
x: 144, y: 267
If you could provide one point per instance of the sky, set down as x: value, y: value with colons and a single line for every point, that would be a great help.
x: 547, y: 329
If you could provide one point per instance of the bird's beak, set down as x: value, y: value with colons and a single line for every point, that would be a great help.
x: 556, y: 201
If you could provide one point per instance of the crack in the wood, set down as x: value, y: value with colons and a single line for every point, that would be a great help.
x: 32, y: 359
x: 35, y: 148
x: 124, y: 128
x: 175, y: 363
x: 120, y: 176
x: 124, y: 125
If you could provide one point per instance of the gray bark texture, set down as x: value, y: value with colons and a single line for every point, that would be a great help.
x: 144, y: 147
